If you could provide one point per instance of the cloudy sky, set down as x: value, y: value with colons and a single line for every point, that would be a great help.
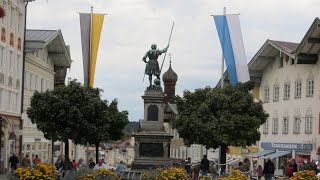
x: 131, y: 26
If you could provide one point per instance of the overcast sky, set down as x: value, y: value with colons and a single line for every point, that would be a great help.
x: 131, y: 26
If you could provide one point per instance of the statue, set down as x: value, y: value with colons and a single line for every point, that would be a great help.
x: 152, y: 67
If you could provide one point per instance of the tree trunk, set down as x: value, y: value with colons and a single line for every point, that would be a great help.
x: 66, y: 152
x: 223, y: 158
x: 52, y: 152
x: 97, y: 152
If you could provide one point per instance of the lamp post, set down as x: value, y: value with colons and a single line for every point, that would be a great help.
x: 23, y: 64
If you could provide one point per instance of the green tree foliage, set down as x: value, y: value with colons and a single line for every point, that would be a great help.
x: 220, y: 117
x: 77, y: 113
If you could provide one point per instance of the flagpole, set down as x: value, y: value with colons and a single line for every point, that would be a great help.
x: 222, y: 72
x: 90, y: 47
x: 222, y: 56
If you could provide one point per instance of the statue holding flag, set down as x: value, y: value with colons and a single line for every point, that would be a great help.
x: 152, y: 67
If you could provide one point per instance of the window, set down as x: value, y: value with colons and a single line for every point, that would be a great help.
x: 12, y: 17
x: 275, y: 126
x: 17, y: 84
x: 9, y: 100
x: 10, y: 82
x: 1, y: 56
x: 265, y: 127
x: 266, y: 94
x: 14, y: 102
x: 280, y: 62
x: 19, y: 62
x: 30, y: 82
x: 276, y: 93
x: 310, y: 88
x: 42, y: 85
x: 297, y: 93
x: 27, y: 82
x: 36, y: 83
x: 308, y: 125
x: 296, y: 126
x: 11, y: 63
x: 286, y: 92
x: 5, y: 5
x: 20, y: 23
x: 285, y: 125
x: 1, y: 99
x: 1, y: 79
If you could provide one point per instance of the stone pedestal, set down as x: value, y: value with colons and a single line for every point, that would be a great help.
x: 152, y: 143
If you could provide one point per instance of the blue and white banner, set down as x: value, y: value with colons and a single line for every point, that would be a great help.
x: 229, y: 31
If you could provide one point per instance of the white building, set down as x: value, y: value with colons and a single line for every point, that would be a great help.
x: 288, y: 76
x: 47, y: 58
x: 11, y: 53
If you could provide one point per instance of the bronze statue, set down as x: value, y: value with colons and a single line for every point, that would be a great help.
x: 152, y: 67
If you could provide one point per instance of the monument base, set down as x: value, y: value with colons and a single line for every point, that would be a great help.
x: 151, y: 150
x: 151, y: 163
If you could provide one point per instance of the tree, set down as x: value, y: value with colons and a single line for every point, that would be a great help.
x: 220, y: 117
x: 108, y: 124
x: 71, y: 112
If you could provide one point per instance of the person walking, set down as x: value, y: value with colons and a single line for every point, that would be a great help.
x: 259, y: 171
x: 36, y: 160
x: 13, y: 162
x: 26, y: 162
x: 268, y: 170
x: 204, y: 165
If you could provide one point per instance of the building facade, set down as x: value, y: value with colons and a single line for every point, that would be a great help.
x: 11, y: 53
x: 288, y: 76
x: 46, y: 53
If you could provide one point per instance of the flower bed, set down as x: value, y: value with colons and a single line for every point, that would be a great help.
x: 235, y: 175
x: 306, y: 174
x: 104, y: 174
x: 171, y: 173
x: 40, y: 171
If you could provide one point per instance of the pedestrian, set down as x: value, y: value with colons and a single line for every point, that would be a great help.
x: 204, y: 165
x: 120, y: 168
x: 295, y: 166
x: 268, y: 170
x: 290, y: 170
x: 26, y: 162
x: 259, y: 172
x: 13, y: 162
x: 36, y: 160
x: 74, y: 165
x: 91, y: 163
x: 100, y: 165
x: 188, y: 166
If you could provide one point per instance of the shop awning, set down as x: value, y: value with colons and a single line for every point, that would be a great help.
x: 261, y: 153
x: 276, y: 154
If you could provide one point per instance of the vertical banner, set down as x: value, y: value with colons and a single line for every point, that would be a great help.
x: 229, y: 31
x: 85, y: 27
x: 90, y: 26
x: 97, y: 21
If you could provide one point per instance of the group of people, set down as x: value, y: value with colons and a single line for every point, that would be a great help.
x: 269, y: 169
x: 14, y: 162
x: 91, y: 164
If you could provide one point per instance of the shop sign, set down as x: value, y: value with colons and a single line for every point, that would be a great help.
x: 286, y: 146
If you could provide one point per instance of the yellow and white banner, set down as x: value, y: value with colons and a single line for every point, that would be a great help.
x: 91, y: 26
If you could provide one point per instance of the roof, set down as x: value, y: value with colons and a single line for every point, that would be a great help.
x: 269, y: 51
x: 53, y: 41
x: 309, y: 47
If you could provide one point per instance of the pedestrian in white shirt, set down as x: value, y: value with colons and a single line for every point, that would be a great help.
x: 100, y: 165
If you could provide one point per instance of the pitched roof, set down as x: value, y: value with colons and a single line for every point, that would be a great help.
x: 289, y: 47
x: 52, y: 40
x: 40, y: 35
